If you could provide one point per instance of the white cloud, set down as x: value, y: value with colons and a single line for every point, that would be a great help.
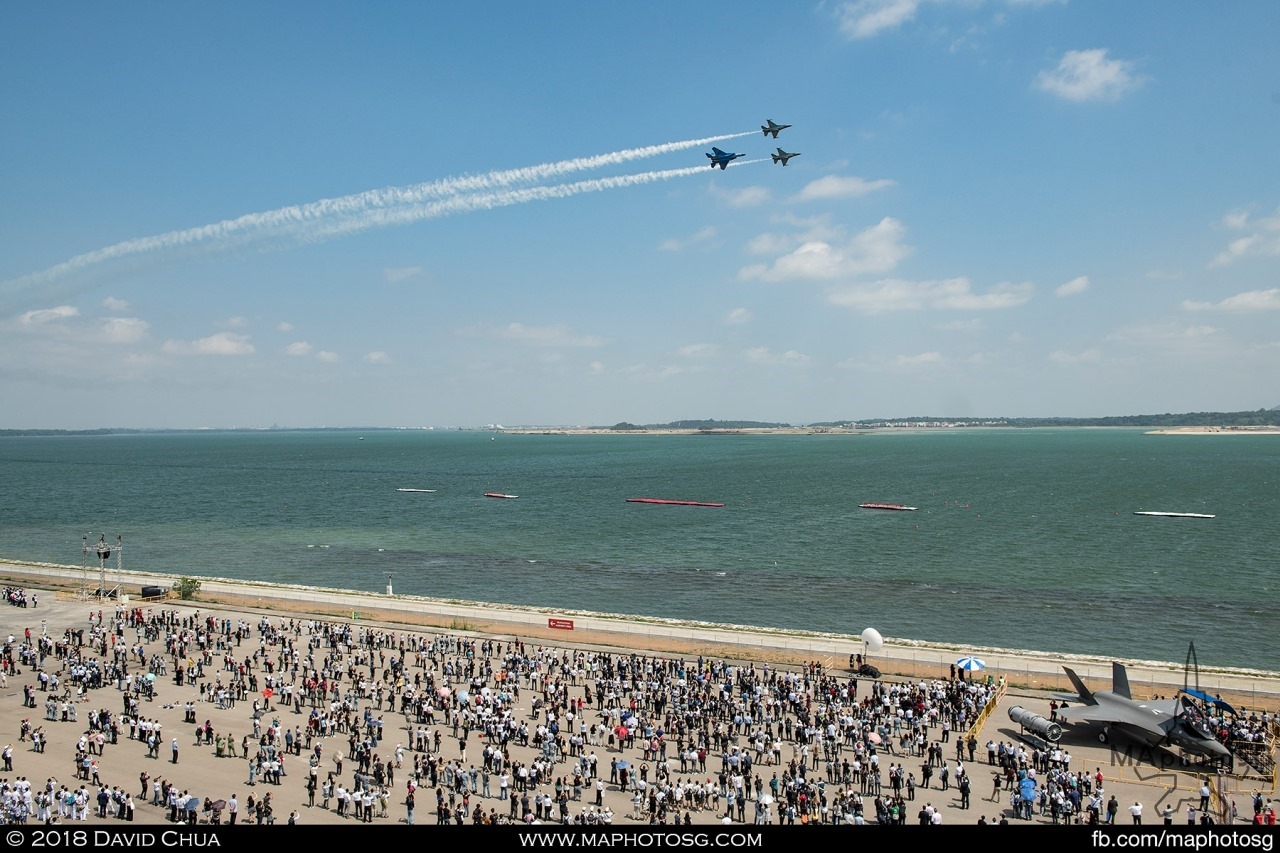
x: 866, y: 18
x: 299, y: 348
x: 1235, y: 219
x: 763, y: 355
x: 744, y: 197
x: 1086, y: 357
x: 326, y: 356
x: 770, y: 244
x: 548, y: 336
x: 676, y: 244
x: 835, y: 186
x: 737, y: 317
x: 1263, y: 241
x: 377, y: 357
x: 237, y: 322
x: 875, y: 250
x: 646, y: 373
x: 223, y: 343
x: 924, y: 359
x: 48, y: 315
x: 699, y: 350
x: 808, y: 229
x: 1162, y: 335
x: 1076, y: 286
x: 111, y: 303
x: 1088, y: 75
x: 284, y: 327
x: 969, y: 324
x: 1249, y: 301
x: 595, y: 368
x: 395, y: 275
x: 947, y: 294
x: 123, y: 330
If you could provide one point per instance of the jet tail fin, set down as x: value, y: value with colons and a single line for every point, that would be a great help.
x: 1086, y: 695
x: 1120, y: 680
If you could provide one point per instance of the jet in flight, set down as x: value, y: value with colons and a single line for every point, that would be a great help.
x: 722, y: 158
x: 1166, y: 722
x: 772, y: 128
x: 782, y: 156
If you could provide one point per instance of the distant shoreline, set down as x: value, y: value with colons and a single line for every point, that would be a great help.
x: 1217, y: 430
x: 853, y: 431
x: 868, y: 428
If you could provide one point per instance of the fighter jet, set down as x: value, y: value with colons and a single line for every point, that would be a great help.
x: 772, y: 128
x: 782, y: 156
x: 1167, y: 722
x: 722, y: 158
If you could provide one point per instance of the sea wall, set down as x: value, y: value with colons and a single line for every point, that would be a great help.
x: 1028, y: 669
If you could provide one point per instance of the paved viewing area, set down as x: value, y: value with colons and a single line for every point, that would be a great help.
x: 489, y: 724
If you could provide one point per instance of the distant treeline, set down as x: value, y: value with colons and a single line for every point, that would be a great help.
x: 6, y: 433
x: 707, y: 424
x: 12, y: 432
x: 1261, y: 417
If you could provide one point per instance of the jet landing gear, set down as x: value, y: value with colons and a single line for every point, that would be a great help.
x: 1104, y: 735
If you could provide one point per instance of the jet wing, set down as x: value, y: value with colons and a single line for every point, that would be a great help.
x: 1088, y: 714
x: 1162, y: 707
x: 1147, y: 721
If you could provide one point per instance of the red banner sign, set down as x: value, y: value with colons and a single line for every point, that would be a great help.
x: 566, y: 624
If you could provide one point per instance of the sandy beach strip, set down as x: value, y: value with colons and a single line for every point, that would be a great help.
x: 1217, y: 430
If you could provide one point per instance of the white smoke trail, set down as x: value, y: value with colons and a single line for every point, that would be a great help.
x: 406, y: 214
x: 289, y: 219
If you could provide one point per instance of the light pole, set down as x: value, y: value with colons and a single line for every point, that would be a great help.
x: 103, y: 552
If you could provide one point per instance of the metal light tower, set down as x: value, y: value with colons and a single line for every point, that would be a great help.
x: 103, y: 552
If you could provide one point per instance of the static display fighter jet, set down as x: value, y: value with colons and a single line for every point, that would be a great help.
x: 772, y: 128
x: 1165, y: 722
x: 782, y: 156
x: 722, y: 158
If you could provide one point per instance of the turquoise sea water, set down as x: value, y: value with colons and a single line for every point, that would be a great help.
x: 1023, y: 538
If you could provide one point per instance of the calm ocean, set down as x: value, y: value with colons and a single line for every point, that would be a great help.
x: 1023, y: 539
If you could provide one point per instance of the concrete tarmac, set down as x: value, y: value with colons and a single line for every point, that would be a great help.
x: 200, y: 773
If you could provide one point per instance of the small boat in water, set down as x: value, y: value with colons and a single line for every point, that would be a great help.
x: 873, y: 505
x: 1177, y: 514
x: 499, y: 495
x: 670, y: 502
x: 415, y: 490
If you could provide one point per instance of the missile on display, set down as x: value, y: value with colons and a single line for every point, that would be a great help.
x: 1035, y: 723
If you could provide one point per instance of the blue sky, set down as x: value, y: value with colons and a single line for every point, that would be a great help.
x: 432, y: 214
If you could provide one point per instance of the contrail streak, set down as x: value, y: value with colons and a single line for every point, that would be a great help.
x: 406, y: 214
x: 295, y: 218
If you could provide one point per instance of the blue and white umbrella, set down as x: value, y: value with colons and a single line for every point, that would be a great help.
x: 970, y: 664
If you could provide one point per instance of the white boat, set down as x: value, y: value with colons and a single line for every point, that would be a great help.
x: 415, y: 490
x: 1177, y: 514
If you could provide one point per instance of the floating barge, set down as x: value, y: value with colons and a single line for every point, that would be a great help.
x: 1176, y: 514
